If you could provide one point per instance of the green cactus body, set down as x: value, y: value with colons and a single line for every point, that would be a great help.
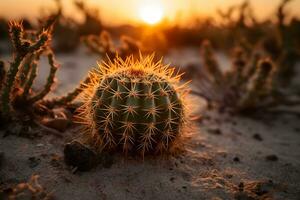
x: 136, y: 110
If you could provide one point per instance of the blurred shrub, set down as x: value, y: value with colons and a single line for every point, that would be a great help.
x: 251, y: 84
x: 92, y: 23
x: 104, y: 46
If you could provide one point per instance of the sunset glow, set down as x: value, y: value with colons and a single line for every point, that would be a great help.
x: 118, y: 12
x: 151, y: 12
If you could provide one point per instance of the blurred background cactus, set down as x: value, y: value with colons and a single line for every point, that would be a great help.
x: 248, y: 86
x: 104, y: 46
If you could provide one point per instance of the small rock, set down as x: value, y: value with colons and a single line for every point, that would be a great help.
x: 271, y: 157
x: 297, y: 130
x: 34, y: 162
x: 264, y: 187
x: 236, y: 159
x: 257, y: 137
x: 60, y: 124
x: 215, y: 131
x: 241, y: 186
x: 80, y: 156
x: 172, y: 179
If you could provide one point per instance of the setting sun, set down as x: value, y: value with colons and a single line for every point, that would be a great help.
x: 151, y: 12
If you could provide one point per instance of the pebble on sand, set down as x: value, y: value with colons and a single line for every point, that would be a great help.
x: 80, y: 156
x: 271, y: 157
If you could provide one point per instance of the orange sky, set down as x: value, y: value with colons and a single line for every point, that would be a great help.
x: 124, y: 11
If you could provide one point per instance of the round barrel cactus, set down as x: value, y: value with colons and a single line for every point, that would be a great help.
x: 134, y: 106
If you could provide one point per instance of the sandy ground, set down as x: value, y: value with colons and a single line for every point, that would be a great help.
x: 226, y: 157
x: 223, y: 154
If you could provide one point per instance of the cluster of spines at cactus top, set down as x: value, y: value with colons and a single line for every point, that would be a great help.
x: 134, y: 106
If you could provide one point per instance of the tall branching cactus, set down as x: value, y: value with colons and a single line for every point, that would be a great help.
x: 22, y: 48
x: 134, y: 106
x: 16, y: 90
x: 17, y: 96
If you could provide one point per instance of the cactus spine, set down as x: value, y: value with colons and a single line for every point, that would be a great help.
x: 135, y: 106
